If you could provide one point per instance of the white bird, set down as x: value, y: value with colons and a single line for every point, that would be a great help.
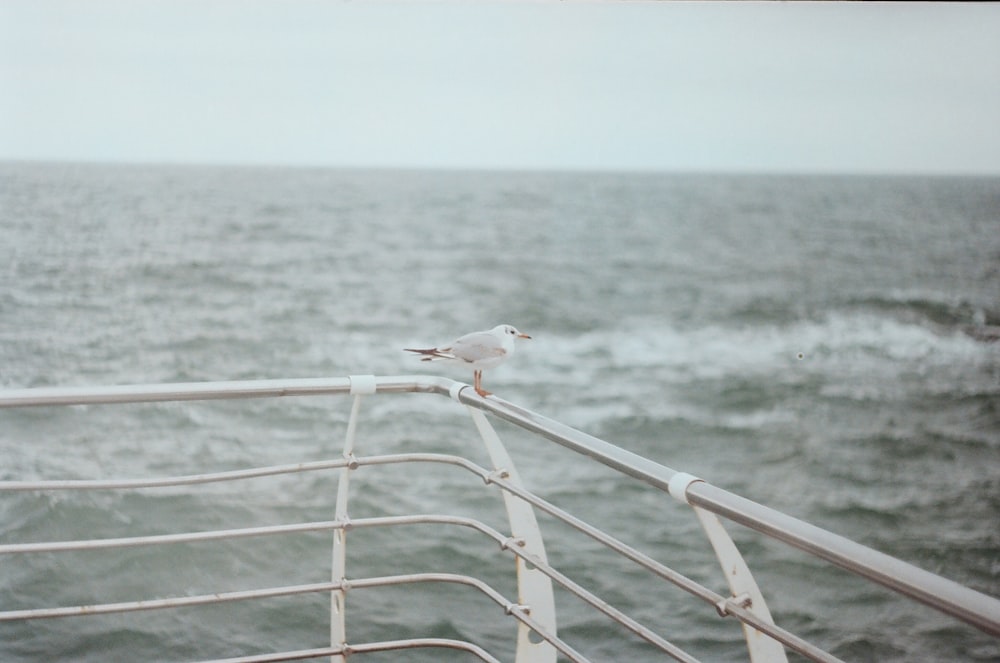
x: 482, y: 349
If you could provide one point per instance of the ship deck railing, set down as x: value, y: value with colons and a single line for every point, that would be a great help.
x: 533, y: 609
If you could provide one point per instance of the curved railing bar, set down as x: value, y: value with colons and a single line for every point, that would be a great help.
x: 516, y: 610
x: 247, y: 532
x: 165, y: 539
x: 225, y: 390
x: 166, y: 482
x: 167, y: 603
x: 368, y: 647
x: 519, y: 612
x: 240, y: 475
x: 179, y: 391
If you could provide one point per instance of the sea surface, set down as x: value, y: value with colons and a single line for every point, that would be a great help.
x: 823, y: 345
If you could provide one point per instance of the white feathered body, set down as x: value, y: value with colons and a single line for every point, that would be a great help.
x: 478, y: 350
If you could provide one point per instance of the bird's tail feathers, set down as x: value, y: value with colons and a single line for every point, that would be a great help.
x: 430, y: 354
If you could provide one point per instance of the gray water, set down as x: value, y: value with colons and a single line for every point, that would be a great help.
x: 817, y: 344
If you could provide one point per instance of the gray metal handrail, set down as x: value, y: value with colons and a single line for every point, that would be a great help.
x: 968, y: 605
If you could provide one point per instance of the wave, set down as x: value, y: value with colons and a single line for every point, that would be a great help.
x: 853, y: 354
x: 931, y: 308
x: 715, y: 348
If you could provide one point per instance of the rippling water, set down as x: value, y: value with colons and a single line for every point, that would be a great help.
x: 818, y: 344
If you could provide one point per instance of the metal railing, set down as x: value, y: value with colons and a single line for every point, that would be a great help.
x: 534, y: 610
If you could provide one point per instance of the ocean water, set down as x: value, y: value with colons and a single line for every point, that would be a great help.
x: 822, y: 345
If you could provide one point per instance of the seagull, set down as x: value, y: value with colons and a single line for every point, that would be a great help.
x: 482, y: 349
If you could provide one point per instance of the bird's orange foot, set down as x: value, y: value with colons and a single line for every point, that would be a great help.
x: 483, y: 392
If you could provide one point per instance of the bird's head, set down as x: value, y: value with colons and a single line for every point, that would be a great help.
x: 511, y: 330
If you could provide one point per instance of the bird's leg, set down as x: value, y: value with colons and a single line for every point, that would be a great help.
x: 478, y: 384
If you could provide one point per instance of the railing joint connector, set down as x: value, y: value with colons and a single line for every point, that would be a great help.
x: 498, y: 473
x: 741, y: 601
x: 519, y: 607
x: 513, y: 541
x: 352, y: 461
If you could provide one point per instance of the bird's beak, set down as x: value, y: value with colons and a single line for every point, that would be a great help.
x: 523, y: 336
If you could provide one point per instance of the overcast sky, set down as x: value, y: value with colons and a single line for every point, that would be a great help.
x: 840, y: 87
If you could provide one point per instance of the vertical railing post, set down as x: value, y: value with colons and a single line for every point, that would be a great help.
x: 743, y: 587
x: 534, y: 588
x: 361, y: 385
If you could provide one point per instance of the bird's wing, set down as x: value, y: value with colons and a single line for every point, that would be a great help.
x: 477, y: 346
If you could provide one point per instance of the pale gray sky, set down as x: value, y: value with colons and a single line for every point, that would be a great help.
x: 839, y: 87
